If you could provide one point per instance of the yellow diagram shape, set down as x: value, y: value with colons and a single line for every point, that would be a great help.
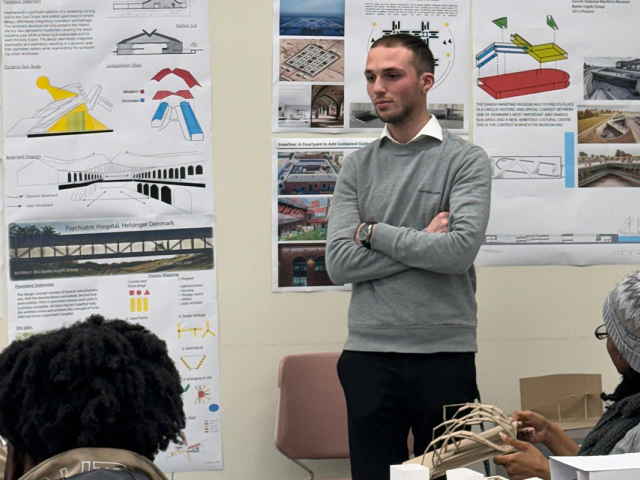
x: 77, y: 120
x: 56, y: 93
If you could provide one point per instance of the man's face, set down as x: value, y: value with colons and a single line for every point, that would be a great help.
x: 396, y: 91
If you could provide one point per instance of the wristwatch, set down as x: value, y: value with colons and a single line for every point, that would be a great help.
x: 365, y: 234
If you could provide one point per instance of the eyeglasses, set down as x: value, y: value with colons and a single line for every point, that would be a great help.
x: 601, y: 332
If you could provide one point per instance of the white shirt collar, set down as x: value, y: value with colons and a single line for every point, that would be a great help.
x: 431, y: 129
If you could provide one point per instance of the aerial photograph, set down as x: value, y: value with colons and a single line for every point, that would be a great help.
x: 312, y: 18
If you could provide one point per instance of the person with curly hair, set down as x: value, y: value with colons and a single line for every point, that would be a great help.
x: 618, y: 430
x: 95, y: 400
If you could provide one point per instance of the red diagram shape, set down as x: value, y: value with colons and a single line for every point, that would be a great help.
x: 524, y: 83
x: 162, y: 94
x: 179, y: 72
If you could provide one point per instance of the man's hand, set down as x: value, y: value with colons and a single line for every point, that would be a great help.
x: 528, y: 462
x: 439, y: 224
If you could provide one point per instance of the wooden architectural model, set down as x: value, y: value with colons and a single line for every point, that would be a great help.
x: 459, y: 447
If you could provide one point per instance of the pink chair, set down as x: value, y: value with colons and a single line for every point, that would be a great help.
x: 312, y: 413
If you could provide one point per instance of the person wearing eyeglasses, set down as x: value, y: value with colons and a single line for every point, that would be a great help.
x: 618, y: 430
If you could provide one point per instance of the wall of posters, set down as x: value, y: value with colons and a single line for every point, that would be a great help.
x: 556, y: 107
x: 109, y: 186
x: 320, y: 49
x: 305, y: 171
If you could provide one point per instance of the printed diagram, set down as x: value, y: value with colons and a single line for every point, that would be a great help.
x: 149, y: 4
x: 153, y: 43
x: 524, y: 82
x: 630, y: 226
x: 196, y: 331
x: 177, y: 106
x: 519, y: 167
x: 139, y: 300
x: 311, y: 60
x: 68, y: 114
x: 439, y: 40
x: 203, y: 394
x: 193, y: 362
x: 96, y: 180
x: 610, y: 78
x: 185, y: 450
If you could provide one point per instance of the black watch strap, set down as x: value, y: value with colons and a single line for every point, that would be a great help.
x: 365, y: 234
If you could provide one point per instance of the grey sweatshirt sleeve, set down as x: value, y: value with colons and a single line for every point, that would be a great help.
x: 455, y: 251
x: 348, y: 262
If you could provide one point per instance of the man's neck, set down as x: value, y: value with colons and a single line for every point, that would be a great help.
x: 405, y: 132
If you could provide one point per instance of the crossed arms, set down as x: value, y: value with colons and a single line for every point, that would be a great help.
x: 396, y: 248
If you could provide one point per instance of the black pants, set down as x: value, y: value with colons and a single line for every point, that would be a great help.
x: 389, y: 393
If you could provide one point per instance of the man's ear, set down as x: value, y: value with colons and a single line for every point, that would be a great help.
x: 427, y: 80
x: 17, y: 463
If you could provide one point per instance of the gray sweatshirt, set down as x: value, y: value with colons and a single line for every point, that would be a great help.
x: 413, y: 292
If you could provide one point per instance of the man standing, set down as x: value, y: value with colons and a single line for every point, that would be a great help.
x: 408, y: 217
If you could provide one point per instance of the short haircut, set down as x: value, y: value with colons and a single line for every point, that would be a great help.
x: 422, y: 57
x: 96, y: 383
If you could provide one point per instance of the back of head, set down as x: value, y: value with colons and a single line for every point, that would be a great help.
x: 96, y: 383
x: 422, y: 57
x: 621, y: 313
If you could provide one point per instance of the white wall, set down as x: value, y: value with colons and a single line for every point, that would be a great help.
x: 532, y: 321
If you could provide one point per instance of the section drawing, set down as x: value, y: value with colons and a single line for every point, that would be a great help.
x: 152, y: 43
x: 68, y: 114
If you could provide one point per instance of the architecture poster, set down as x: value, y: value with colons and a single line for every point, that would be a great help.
x: 557, y: 108
x: 108, y: 190
x: 319, y: 54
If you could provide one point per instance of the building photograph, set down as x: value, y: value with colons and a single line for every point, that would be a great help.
x: 303, y: 173
x: 303, y: 218
x: 611, y: 78
x: 302, y: 266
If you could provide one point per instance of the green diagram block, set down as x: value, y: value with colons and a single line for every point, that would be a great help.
x: 501, y: 22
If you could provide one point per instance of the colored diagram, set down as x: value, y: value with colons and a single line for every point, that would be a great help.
x: 152, y: 43
x: 193, y: 362
x: 196, y: 331
x: 149, y: 4
x: 203, y: 394
x: 177, y: 106
x: 139, y: 300
x: 524, y: 82
x: 68, y: 114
